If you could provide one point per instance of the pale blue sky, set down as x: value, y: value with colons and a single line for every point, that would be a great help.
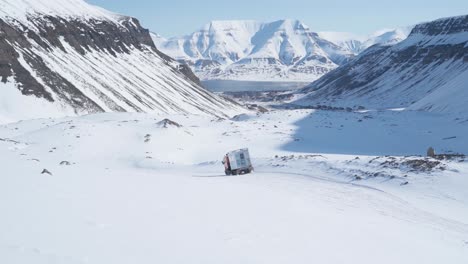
x: 179, y: 17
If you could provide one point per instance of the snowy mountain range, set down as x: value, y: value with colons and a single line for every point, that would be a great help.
x: 284, y: 50
x: 357, y: 43
x: 68, y: 57
x: 427, y: 71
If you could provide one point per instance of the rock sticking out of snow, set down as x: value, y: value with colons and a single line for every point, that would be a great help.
x: 166, y: 123
x: 45, y: 171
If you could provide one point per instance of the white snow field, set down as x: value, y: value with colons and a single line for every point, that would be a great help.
x: 132, y: 188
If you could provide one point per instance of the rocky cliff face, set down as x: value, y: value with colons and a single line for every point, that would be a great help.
x: 85, y: 62
x: 427, y: 71
x: 284, y: 50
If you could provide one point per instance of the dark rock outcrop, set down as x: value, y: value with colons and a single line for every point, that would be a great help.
x: 83, y: 36
x: 84, y: 59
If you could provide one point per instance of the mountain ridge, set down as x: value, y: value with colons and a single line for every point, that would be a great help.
x: 282, y: 50
x: 86, y: 60
x: 427, y: 71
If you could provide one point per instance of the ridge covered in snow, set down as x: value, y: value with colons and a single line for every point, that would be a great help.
x: 76, y: 58
x: 283, y: 50
x: 25, y: 10
x: 358, y: 43
x: 427, y: 71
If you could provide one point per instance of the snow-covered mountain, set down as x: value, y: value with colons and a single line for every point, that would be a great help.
x: 61, y: 57
x: 357, y: 44
x: 284, y: 50
x: 427, y: 71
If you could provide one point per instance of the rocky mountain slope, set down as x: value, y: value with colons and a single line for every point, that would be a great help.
x: 69, y: 57
x: 284, y: 50
x: 427, y: 71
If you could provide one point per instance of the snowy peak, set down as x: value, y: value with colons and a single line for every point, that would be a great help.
x: 283, y: 50
x: 357, y: 43
x: 231, y: 25
x: 388, y: 37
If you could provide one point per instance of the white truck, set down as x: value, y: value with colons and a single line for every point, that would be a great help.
x: 237, y: 162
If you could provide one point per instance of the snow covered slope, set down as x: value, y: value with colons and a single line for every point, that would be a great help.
x: 161, y: 196
x: 427, y: 71
x: 68, y: 57
x: 357, y: 44
x: 284, y: 50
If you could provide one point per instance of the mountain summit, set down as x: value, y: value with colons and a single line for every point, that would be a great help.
x: 283, y: 50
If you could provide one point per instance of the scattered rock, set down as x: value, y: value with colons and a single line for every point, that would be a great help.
x: 45, y: 171
x: 423, y: 165
x: 256, y: 107
x: 449, y: 156
x: 65, y: 163
x: 165, y: 123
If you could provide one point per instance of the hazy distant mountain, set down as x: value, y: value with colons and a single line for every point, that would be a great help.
x: 284, y: 50
x: 357, y: 44
x: 426, y: 71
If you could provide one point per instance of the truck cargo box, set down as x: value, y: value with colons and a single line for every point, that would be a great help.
x: 238, y: 162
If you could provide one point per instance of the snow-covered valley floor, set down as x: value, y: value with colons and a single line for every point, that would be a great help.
x: 128, y: 188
